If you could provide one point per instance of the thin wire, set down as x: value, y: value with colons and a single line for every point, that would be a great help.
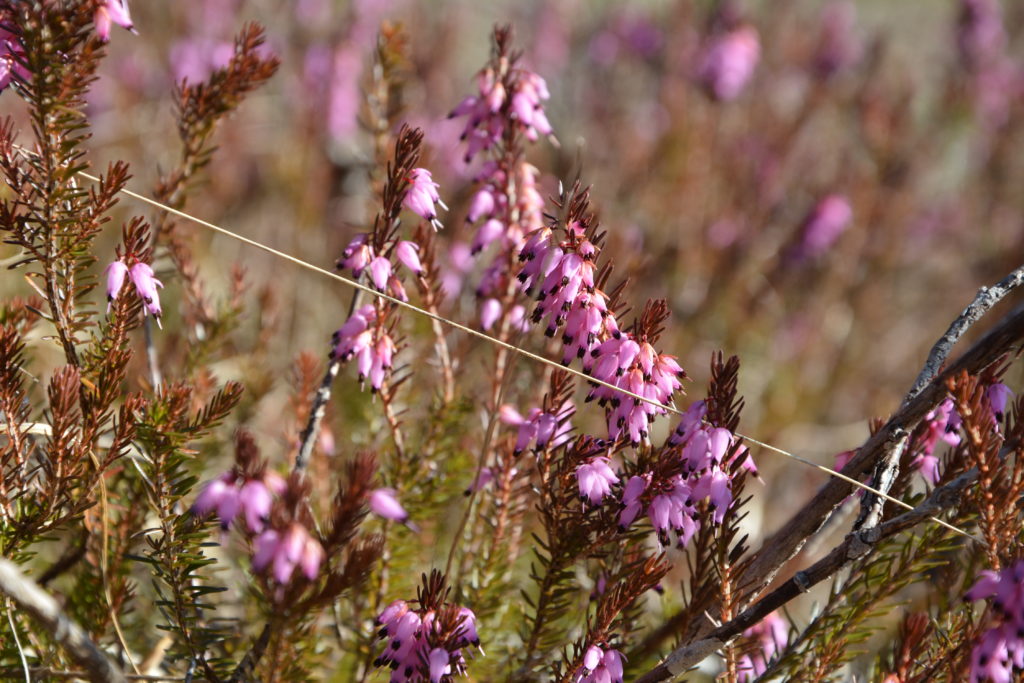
x: 494, y: 340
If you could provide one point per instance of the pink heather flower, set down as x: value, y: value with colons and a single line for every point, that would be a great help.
x: 943, y: 423
x: 539, y: 428
x: 220, y: 495
x: 438, y: 660
x: 517, y: 101
x: 689, y: 423
x: 116, y: 274
x: 595, y: 480
x: 773, y: 634
x: 632, y: 506
x: 112, y: 11
x: 411, y: 651
x: 371, y: 346
x: 380, y: 271
x: 408, y: 255
x: 997, y: 395
x: 12, y: 56
x: 485, y: 477
x: 384, y: 503
x: 283, y: 551
x: 999, y: 655
x: 422, y: 195
x: 600, y: 666
x: 231, y: 496
x: 823, y: 226
x: 357, y: 255
x: 729, y: 62
x: 146, y: 284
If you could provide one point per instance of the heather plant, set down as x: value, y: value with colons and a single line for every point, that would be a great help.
x: 361, y: 365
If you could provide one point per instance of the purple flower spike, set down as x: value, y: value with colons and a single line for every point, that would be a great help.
x: 283, y: 551
x: 117, y: 272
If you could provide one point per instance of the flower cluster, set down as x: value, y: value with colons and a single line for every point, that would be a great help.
x: 425, y: 644
x: 1000, y: 652
x: 507, y: 225
x: 276, y: 519
x: 111, y: 12
x: 362, y: 256
x: 941, y: 424
x: 595, y: 479
x: 564, y: 278
x: 600, y: 665
x: 507, y: 95
x: 707, y: 454
x: 142, y: 277
x: 365, y: 337
x: 235, y: 495
x: 539, y: 427
x: 567, y: 283
x: 284, y: 549
x: 772, y: 634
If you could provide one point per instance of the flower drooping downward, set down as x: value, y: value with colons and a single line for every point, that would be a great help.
x: 146, y: 284
x: 112, y: 12
x: 422, y: 196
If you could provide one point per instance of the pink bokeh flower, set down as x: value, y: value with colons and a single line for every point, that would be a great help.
x: 729, y: 62
x: 772, y: 634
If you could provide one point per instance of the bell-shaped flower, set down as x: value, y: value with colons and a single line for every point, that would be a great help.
x: 595, y: 479
x: 146, y: 285
x: 422, y: 195
x: 408, y: 255
x: 112, y: 12
x: 117, y: 272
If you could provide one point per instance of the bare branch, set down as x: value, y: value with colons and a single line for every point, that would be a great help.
x: 986, y: 298
x: 857, y: 544
x: 28, y: 596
